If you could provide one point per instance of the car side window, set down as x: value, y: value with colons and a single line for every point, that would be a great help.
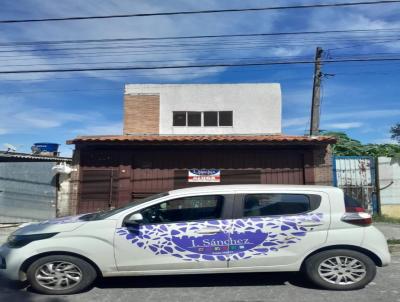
x: 184, y: 209
x: 279, y: 204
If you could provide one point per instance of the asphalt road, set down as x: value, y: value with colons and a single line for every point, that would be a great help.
x: 227, y: 288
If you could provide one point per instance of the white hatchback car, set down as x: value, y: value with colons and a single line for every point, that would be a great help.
x: 214, y: 229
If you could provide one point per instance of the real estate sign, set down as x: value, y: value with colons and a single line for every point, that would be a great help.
x: 204, y: 175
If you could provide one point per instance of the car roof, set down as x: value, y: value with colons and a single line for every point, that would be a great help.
x: 255, y: 187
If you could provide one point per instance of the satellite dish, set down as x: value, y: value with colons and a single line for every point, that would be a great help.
x: 10, y: 148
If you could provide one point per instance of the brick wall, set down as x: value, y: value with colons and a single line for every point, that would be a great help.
x: 141, y: 114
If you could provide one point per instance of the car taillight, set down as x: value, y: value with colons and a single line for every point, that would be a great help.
x: 354, y: 209
x: 357, y: 216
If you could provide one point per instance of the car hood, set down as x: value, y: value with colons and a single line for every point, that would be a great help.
x: 64, y: 224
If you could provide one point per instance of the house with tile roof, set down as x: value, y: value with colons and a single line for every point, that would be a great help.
x: 185, y: 135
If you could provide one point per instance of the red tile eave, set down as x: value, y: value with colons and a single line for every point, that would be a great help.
x: 202, y: 140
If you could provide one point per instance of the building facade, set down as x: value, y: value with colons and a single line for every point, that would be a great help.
x: 202, y: 109
x: 178, y: 136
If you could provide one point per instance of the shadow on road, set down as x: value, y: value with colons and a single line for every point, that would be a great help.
x: 18, y: 291
x: 211, y: 280
x: 13, y: 291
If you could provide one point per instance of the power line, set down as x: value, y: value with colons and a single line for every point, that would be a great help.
x: 231, y: 10
x: 195, y: 65
x: 27, y: 43
x: 381, y: 39
x: 192, y: 49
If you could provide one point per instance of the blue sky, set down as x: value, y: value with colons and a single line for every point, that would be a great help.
x: 361, y: 99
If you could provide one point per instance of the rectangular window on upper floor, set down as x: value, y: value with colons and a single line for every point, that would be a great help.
x: 225, y: 118
x: 203, y: 119
x: 179, y: 118
x: 194, y: 119
x: 210, y: 118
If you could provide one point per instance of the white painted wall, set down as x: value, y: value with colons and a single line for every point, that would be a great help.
x: 256, y: 107
x: 389, y: 172
x: 63, y: 195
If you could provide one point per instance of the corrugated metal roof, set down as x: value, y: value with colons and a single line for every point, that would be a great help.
x: 34, y: 157
x: 253, y: 139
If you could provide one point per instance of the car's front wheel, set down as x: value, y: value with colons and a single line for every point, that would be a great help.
x: 60, y: 275
x: 340, y: 269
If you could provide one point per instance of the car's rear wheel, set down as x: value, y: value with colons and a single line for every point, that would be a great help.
x: 340, y: 269
x: 60, y: 275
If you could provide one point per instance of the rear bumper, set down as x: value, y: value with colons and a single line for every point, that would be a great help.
x: 375, y: 242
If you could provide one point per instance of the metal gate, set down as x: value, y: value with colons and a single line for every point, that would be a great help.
x: 99, y: 189
x: 356, y: 176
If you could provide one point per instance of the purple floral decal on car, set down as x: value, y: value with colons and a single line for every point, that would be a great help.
x: 221, y: 239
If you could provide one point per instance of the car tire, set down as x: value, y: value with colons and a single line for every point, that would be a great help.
x: 60, y: 275
x: 340, y: 269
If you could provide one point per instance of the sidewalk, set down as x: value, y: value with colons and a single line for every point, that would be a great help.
x: 390, y: 230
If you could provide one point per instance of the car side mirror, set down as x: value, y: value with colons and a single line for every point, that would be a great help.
x: 135, y: 219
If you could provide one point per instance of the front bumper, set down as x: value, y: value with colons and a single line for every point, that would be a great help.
x: 11, y: 261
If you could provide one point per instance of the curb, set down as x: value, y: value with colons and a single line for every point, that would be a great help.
x: 394, y: 249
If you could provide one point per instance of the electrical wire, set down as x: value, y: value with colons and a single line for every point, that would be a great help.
x: 222, y: 64
x: 231, y: 10
x: 24, y: 43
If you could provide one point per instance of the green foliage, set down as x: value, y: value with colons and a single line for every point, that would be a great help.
x: 386, y: 219
x: 395, y: 131
x: 347, y: 146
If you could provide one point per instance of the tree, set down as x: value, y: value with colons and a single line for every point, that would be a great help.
x: 346, y: 146
x: 395, y: 131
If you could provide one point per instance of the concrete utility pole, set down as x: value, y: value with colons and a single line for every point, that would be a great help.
x: 316, y: 101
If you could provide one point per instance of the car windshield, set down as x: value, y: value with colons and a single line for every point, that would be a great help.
x: 105, y: 214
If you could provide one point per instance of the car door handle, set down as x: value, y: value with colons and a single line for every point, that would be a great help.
x: 209, y: 231
x: 309, y: 224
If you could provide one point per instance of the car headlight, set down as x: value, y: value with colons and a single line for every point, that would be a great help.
x: 16, y: 241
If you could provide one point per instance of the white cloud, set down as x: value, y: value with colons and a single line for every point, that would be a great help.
x: 296, y: 121
x: 341, y: 119
x: 132, y: 27
x: 383, y: 141
x: 100, y: 128
x: 362, y: 114
x: 19, y: 116
x: 343, y: 126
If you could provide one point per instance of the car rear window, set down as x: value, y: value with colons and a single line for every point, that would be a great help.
x: 352, y: 204
x: 279, y: 204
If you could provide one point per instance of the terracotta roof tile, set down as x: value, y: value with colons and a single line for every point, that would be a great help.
x: 203, y: 139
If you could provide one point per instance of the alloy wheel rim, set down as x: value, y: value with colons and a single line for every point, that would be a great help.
x: 58, y: 275
x: 342, y: 270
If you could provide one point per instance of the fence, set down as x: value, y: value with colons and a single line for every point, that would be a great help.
x: 356, y: 175
x: 374, y: 182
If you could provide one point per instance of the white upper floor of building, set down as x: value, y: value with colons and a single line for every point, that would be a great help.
x: 190, y: 109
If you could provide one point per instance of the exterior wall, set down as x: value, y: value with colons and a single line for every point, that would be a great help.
x: 389, y: 183
x: 256, y: 107
x: 392, y: 210
x: 27, y: 191
x: 63, y: 195
x: 113, y: 176
x: 141, y: 113
x: 75, y: 182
